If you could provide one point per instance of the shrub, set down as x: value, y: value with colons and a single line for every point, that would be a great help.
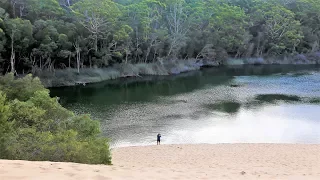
x: 34, y: 126
x: 5, y: 126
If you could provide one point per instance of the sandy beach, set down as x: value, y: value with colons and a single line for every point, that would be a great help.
x: 222, y: 161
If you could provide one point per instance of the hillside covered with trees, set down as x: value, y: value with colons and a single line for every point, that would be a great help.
x: 57, y: 34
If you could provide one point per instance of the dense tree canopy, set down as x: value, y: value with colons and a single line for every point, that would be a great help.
x: 49, y: 34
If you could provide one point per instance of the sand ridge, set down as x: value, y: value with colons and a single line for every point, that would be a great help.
x: 202, y: 161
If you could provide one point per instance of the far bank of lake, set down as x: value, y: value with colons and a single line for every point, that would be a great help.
x: 71, y: 77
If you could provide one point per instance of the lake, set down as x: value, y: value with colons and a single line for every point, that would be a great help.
x: 252, y: 104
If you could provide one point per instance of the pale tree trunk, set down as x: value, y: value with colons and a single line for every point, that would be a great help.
x: 170, y: 49
x: 173, y: 44
x: 68, y: 3
x: 78, y: 61
x: 13, y: 4
x: 149, y: 48
x: 154, y: 55
x: 177, y: 28
x: 127, y: 53
x: 137, y: 57
x: 12, y: 58
x: 70, y: 60
x: 22, y: 7
x: 147, y: 55
x: 258, y: 44
x: 78, y: 55
x: 40, y: 62
x: 95, y: 26
x: 51, y: 66
x: 12, y: 61
x: 33, y: 58
x: 96, y: 43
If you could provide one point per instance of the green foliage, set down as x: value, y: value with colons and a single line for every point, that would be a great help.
x: 281, y: 31
x: 48, y: 9
x: 229, y: 24
x: 24, y: 88
x: 34, y: 126
x: 84, y: 126
x: 22, y: 30
x: 308, y: 12
x: 64, y: 146
x: 106, y: 8
x: 5, y: 125
x: 2, y: 39
x: 51, y: 34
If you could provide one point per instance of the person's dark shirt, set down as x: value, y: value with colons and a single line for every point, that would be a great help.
x: 158, y: 137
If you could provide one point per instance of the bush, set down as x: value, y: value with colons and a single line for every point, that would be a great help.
x: 5, y: 126
x: 34, y: 126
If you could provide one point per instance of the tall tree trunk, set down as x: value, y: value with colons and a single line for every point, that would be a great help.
x: 137, y: 45
x: 47, y: 63
x: 40, y: 62
x: 154, y: 54
x: 76, y: 45
x: 127, y: 57
x: 13, y: 3
x: 21, y: 8
x: 68, y: 3
x: 170, y: 50
x: 147, y: 55
x: 96, y: 43
x: 12, y: 58
x: 78, y: 61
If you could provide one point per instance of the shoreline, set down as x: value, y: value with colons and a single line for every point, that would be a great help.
x: 185, y: 161
x: 146, y: 78
x: 209, y: 144
x: 69, y: 77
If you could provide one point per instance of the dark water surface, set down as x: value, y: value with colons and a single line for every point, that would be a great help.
x: 261, y: 104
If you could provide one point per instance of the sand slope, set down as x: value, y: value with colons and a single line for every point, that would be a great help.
x: 225, y: 161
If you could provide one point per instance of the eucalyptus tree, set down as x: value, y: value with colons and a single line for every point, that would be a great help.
x: 178, y: 26
x: 279, y: 31
x: 46, y: 37
x: 228, y: 25
x: 146, y: 20
x: 308, y: 13
x: 3, y: 38
x: 19, y: 33
x: 100, y: 18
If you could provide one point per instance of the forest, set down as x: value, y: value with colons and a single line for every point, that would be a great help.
x: 38, y: 35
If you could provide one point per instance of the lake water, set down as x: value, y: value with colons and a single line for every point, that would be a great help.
x: 261, y: 104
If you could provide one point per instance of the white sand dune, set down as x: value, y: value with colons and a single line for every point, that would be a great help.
x: 223, y: 161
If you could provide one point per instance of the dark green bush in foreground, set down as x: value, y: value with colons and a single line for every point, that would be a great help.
x: 34, y: 126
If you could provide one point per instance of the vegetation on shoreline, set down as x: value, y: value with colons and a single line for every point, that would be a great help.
x: 44, y: 35
x: 34, y: 126
x: 70, y: 77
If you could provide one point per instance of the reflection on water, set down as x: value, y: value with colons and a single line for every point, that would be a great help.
x: 264, y: 104
x: 275, y: 124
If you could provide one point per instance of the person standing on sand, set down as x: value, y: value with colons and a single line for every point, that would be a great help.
x: 158, y: 139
